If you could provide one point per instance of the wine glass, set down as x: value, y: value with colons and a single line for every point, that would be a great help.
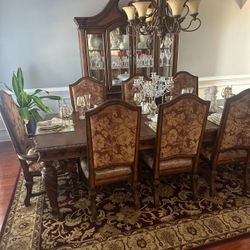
x: 81, y: 106
x: 65, y: 113
x: 87, y: 99
x: 137, y: 98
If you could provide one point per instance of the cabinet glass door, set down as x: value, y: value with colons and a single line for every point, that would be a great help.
x: 144, y: 54
x: 166, y: 56
x: 96, y: 57
x: 120, y: 55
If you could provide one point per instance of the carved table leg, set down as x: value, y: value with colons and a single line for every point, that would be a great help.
x: 50, y: 182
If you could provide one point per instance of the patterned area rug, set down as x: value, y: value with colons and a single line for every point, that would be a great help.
x: 179, y: 223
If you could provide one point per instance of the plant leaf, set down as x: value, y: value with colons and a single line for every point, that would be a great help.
x: 24, y: 99
x: 38, y: 91
x: 20, y: 79
x: 51, y: 97
x: 16, y: 88
x: 36, y: 115
x: 40, y: 104
x: 24, y: 113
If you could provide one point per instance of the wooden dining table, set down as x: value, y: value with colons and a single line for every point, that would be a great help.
x: 72, y: 145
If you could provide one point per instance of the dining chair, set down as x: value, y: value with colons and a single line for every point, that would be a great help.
x: 113, y: 131
x: 183, y: 80
x: 87, y: 85
x: 23, y: 145
x: 180, y: 129
x: 127, y: 88
x: 232, y: 145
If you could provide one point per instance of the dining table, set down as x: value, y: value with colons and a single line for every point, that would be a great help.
x: 58, y: 146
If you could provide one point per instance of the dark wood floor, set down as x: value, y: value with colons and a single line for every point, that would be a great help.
x: 9, y: 168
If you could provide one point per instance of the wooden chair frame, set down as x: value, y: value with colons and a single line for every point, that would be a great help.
x: 193, y: 77
x: 218, y: 141
x: 134, y: 166
x: 24, y: 159
x: 71, y: 86
x: 195, y: 157
x: 128, y: 81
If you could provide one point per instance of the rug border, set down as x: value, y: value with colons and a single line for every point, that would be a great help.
x: 204, y: 247
x: 10, y: 204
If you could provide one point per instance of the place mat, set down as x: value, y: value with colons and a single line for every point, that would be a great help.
x: 215, y: 118
x: 55, y: 125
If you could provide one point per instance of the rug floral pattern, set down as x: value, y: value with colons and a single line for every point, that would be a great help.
x: 179, y: 223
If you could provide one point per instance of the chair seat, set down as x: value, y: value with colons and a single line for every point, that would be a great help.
x: 173, y: 164
x: 230, y: 156
x: 106, y: 173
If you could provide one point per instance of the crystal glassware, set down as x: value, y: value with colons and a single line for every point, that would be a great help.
x: 65, y: 113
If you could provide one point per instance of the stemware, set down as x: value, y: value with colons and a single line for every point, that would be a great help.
x: 87, y: 98
x: 83, y: 104
x: 138, y: 98
x: 81, y: 107
x: 65, y: 113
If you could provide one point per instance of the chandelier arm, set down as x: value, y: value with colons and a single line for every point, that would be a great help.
x: 162, y: 22
x: 187, y: 29
x: 183, y: 17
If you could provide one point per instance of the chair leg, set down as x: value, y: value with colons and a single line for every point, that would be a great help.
x: 92, y: 196
x: 79, y: 170
x: 136, y: 195
x: 212, y: 182
x: 29, y: 185
x: 156, y: 193
x: 74, y: 177
x: 195, y: 178
x: 246, y: 179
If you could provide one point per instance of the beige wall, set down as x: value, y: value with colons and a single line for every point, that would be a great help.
x: 222, y: 45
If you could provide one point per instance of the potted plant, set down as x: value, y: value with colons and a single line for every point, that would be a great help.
x: 29, y: 105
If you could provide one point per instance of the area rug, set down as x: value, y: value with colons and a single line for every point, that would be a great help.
x: 179, y: 223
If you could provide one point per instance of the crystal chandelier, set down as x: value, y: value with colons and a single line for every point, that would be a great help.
x: 163, y: 16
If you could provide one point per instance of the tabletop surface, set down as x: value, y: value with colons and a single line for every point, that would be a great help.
x: 78, y: 137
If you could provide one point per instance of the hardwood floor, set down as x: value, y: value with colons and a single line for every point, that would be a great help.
x: 9, y: 168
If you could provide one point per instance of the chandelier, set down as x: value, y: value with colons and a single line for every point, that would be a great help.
x: 163, y: 16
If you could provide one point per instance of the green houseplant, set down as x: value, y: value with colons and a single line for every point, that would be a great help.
x: 29, y: 105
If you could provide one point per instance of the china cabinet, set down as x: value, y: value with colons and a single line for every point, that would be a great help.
x: 111, y: 51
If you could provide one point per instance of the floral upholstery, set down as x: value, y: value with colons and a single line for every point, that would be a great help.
x: 14, y: 123
x: 237, y: 127
x: 182, y: 125
x: 184, y: 80
x: 87, y: 86
x: 113, y: 135
x: 177, y: 164
x: 128, y: 91
x: 227, y: 156
x: 106, y: 173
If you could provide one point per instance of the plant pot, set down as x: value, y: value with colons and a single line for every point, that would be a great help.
x: 31, y: 126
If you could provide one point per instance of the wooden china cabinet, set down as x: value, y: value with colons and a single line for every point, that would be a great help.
x: 111, y: 51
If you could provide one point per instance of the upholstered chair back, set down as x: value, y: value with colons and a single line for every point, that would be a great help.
x: 235, y: 125
x: 128, y: 90
x: 87, y: 85
x: 181, y: 125
x: 14, y: 123
x: 184, y: 80
x: 113, y: 134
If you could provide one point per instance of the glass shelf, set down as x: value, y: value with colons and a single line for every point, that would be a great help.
x: 96, y: 69
x: 117, y: 49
